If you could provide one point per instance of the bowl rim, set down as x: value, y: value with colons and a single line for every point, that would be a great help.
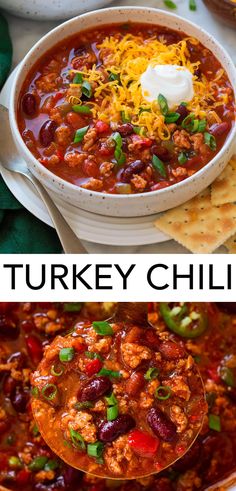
x: 97, y: 194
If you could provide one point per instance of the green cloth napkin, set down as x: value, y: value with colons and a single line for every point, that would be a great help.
x: 20, y: 231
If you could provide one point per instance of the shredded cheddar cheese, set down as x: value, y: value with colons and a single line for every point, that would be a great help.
x: 128, y: 58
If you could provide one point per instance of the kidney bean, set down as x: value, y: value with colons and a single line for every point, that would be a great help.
x: 47, y: 131
x: 229, y: 307
x: 189, y: 459
x: 183, y: 111
x: 169, y: 37
x: 19, y: 399
x: 95, y: 389
x: 134, y: 168
x: 34, y: 348
x: 171, y: 351
x: 29, y: 104
x: 9, y: 385
x: 111, y: 430
x: 27, y: 325
x: 80, y: 51
x: 18, y: 357
x: 125, y: 129
x: 57, y: 485
x: 161, y: 152
x: 8, y: 327
x: 135, y: 383
x: 71, y: 475
x: 232, y: 395
x: 161, y: 424
x: 219, y: 129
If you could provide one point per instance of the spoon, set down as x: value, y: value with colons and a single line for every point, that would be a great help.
x: 11, y: 161
x: 165, y: 441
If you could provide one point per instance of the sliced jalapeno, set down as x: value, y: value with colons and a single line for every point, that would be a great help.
x: 182, y: 321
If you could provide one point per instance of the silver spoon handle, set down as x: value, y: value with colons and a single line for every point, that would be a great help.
x: 70, y: 242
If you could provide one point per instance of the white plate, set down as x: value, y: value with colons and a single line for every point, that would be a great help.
x: 88, y: 226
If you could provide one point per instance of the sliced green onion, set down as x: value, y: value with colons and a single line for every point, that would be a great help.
x: 119, y: 154
x: 195, y: 125
x: 81, y: 109
x: 112, y: 413
x: 163, y: 104
x: 163, y: 392
x: 202, y: 125
x: 95, y: 449
x: 49, y: 392
x: 227, y: 375
x: 109, y: 373
x: 151, y: 373
x: 125, y: 119
x: 38, y: 463
x: 83, y: 405
x: 171, y: 5
x: 187, y: 123
x: 51, y: 465
x: 78, y: 78
x: 93, y: 356
x: 35, y: 431
x: 114, y: 76
x: 72, y: 306
x: 214, y: 422
x: 86, y: 89
x: 182, y: 158
x: 66, y: 354
x: 172, y: 117
x: 80, y: 133
x: 138, y: 130
x: 111, y: 400
x: 57, y: 371
x: 192, y: 5
x: 15, y: 462
x: 159, y: 165
x: 77, y: 439
x: 103, y: 328
x: 34, y: 391
x: 210, y: 141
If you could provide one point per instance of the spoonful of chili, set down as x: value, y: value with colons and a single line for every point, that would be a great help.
x: 118, y: 398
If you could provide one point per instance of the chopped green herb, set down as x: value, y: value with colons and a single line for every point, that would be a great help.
x: 103, y: 328
x: 114, y: 76
x: 81, y: 109
x: 192, y: 5
x: 159, y: 165
x: 125, y: 119
x: 77, y: 439
x: 51, y: 465
x: 119, y: 154
x: 214, y: 422
x: 163, y: 392
x: 111, y: 400
x: 182, y: 158
x: 38, y: 463
x: 34, y: 391
x: 49, y: 392
x: 112, y: 413
x: 93, y: 356
x: 72, y: 306
x: 151, y: 373
x: 210, y: 141
x: 172, y: 117
x: 95, y: 449
x: 86, y: 89
x: 78, y: 78
x: 170, y: 4
x: 187, y: 123
x: 57, y: 371
x: 80, y: 133
x: 138, y: 130
x: 195, y: 125
x: 15, y: 462
x: 163, y: 104
x: 227, y: 376
x: 35, y: 431
x: 109, y: 373
x: 66, y: 354
x: 202, y: 125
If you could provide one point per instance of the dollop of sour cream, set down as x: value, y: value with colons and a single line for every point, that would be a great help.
x: 173, y: 81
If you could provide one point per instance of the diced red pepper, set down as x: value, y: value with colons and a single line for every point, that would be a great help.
x: 102, y: 127
x: 143, y: 142
x: 213, y: 374
x: 105, y: 150
x: 60, y: 155
x: 143, y: 444
x: 34, y: 348
x: 23, y: 477
x: 92, y: 367
x: 58, y: 96
x: 75, y: 120
x: 80, y: 347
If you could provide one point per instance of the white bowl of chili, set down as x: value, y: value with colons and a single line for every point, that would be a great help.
x: 91, y: 161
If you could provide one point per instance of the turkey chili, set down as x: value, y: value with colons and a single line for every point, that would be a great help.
x: 117, y: 400
x: 126, y: 108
